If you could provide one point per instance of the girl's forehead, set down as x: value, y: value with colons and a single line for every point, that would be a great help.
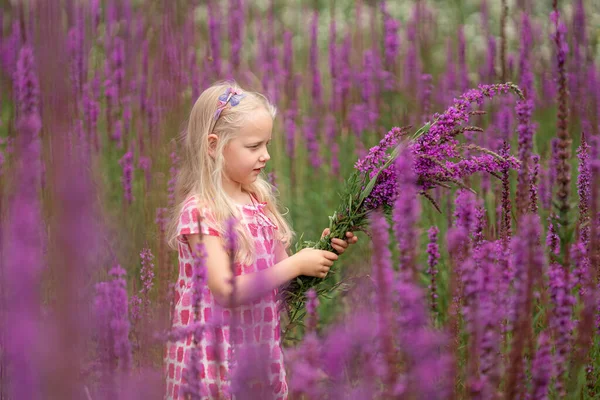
x: 258, y: 125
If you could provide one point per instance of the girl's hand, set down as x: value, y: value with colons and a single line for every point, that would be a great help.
x: 340, y: 245
x: 313, y: 262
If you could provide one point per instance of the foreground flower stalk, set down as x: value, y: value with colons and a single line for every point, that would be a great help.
x: 439, y: 161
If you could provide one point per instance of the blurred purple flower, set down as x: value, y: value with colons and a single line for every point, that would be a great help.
x: 541, y: 368
x: 290, y: 131
x: 560, y: 319
x: 145, y: 164
x: 406, y: 213
x: 312, y: 302
x: 126, y: 163
x: 235, y: 24
x: 391, y: 26
x: 214, y: 31
x: 111, y: 315
x: 312, y: 141
x: 316, y: 89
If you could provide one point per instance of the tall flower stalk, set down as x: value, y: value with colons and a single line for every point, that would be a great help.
x: 563, y: 178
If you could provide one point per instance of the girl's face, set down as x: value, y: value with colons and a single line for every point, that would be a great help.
x: 247, y: 154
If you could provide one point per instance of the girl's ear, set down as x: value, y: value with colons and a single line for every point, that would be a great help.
x: 212, y: 144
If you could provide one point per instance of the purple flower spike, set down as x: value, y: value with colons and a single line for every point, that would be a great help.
x: 126, y: 163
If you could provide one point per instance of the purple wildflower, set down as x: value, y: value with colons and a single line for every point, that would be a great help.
x: 545, y: 188
x: 391, y: 27
x: 490, y: 261
x: 288, y: 64
x: 563, y: 170
x: 528, y: 260
x: 23, y: 244
x: 533, y: 184
x: 118, y: 69
x: 214, y: 30
x: 384, y: 281
x: 428, y: 375
x: 560, y: 322
x: 506, y: 204
x: 146, y: 274
x: 112, y: 316
x: 76, y: 58
x: 312, y: 302
x: 464, y: 213
x: 449, y: 79
x: 412, y: 67
x: 314, y: 61
x: 195, y: 387
x: 117, y: 134
x: 432, y: 261
x: 426, y: 87
x: 145, y: 164
x: 333, y: 64
x: 386, y: 189
x: 526, y: 76
x: 440, y: 144
x: 480, y: 223
x: 272, y: 179
x: 406, y: 214
x: 91, y: 111
x: 344, y: 81
x: 581, y: 269
x: 541, y: 368
x: 552, y: 239
x: 126, y: 163
x: 143, y: 79
x: 290, y: 131
x: 312, y: 141
x: 525, y: 131
x: 195, y: 74
x: 161, y: 220
x: 584, y: 188
x: 236, y: 33
x: 10, y: 49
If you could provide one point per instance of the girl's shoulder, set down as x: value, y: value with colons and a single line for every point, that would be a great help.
x: 196, y: 217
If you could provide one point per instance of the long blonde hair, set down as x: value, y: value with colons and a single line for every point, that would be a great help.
x: 201, y: 175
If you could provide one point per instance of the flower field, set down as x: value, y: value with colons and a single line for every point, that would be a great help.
x: 459, y: 140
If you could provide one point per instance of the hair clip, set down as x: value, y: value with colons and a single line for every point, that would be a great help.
x: 230, y: 96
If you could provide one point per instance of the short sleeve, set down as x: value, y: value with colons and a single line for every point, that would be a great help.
x: 194, y: 217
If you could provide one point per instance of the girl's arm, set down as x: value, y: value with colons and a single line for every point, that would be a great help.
x: 280, y: 252
x: 252, y: 286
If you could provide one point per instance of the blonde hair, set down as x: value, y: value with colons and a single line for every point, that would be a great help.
x: 201, y: 175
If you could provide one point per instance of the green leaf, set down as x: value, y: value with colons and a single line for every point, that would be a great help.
x: 365, y: 193
x: 421, y: 131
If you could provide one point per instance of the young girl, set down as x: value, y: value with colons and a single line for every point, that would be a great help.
x: 225, y: 148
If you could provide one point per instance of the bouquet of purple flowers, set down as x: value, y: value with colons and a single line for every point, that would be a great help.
x: 439, y: 161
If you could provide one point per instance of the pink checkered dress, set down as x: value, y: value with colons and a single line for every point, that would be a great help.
x: 259, y: 321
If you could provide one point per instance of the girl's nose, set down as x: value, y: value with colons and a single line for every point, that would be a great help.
x: 266, y: 156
